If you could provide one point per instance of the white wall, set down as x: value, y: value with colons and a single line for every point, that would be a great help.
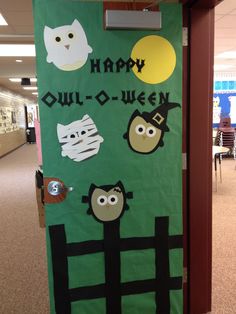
x: 12, y: 130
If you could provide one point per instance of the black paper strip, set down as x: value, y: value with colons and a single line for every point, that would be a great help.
x: 87, y: 293
x: 137, y: 243
x: 144, y: 286
x: 128, y: 244
x: 127, y: 288
x: 162, y: 265
x: 175, y: 242
x: 87, y: 247
x: 60, y: 269
x: 112, y: 266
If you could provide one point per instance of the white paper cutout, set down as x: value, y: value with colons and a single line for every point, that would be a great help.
x: 80, y: 139
x: 67, y: 46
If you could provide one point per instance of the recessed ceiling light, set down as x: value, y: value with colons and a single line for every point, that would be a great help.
x: 30, y: 88
x: 227, y: 55
x: 19, y: 61
x: 17, y: 50
x: 218, y: 67
x: 3, y: 22
x: 36, y: 93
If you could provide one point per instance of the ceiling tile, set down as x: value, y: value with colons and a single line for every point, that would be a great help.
x: 6, y: 30
x: 19, y: 18
x: 27, y: 30
x: 220, y: 49
x: 227, y: 21
x: 219, y: 16
x: 16, y: 5
x: 225, y: 42
x: 225, y: 7
x: 225, y: 33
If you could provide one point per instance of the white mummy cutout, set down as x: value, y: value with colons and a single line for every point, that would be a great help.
x: 80, y: 139
x: 67, y: 46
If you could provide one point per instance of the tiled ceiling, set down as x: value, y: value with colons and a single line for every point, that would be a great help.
x: 20, y: 30
x: 18, y: 15
x: 225, y: 35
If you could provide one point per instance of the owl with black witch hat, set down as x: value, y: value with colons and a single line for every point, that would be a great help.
x: 146, y: 130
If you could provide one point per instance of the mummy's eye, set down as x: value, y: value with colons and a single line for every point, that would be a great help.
x: 83, y: 132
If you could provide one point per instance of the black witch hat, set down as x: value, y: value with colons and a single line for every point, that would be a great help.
x: 158, y: 117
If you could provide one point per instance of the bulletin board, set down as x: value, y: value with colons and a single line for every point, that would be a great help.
x: 224, y: 101
x: 9, y: 120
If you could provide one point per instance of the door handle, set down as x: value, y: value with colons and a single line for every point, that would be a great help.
x: 56, y: 188
x: 55, y: 191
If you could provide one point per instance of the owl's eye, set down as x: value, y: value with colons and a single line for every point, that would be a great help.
x: 58, y: 39
x: 71, y: 35
x: 112, y: 199
x: 140, y: 129
x: 102, y: 200
x: 151, y: 131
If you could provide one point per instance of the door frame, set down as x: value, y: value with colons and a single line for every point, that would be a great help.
x: 198, y: 95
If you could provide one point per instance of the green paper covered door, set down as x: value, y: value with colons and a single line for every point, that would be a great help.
x: 110, y: 110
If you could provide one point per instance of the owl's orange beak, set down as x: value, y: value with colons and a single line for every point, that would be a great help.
x: 67, y: 46
x: 144, y: 137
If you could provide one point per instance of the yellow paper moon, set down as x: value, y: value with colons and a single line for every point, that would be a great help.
x: 159, y: 56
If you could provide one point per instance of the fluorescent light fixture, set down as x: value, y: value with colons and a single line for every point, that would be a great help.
x: 218, y: 67
x: 7, y: 96
x: 18, y: 80
x: 15, y: 80
x: 36, y: 93
x: 227, y: 55
x: 19, y: 61
x: 30, y: 88
x: 3, y: 22
x: 17, y: 50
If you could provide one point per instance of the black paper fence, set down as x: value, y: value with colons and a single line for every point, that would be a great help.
x: 113, y: 289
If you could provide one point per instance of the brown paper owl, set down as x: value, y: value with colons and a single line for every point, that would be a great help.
x: 146, y: 131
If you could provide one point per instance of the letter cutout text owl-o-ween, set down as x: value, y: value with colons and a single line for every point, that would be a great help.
x: 146, y: 130
x: 67, y: 46
x: 108, y: 202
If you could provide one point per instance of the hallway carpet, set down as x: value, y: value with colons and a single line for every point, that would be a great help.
x: 23, y: 270
x: 224, y: 241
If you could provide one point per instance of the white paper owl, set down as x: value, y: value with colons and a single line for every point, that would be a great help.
x: 80, y: 139
x: 67, y: 46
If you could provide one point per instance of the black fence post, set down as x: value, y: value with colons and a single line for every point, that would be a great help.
x: 60, y: 269
x: 112, y: 266
x: 162, y: 265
